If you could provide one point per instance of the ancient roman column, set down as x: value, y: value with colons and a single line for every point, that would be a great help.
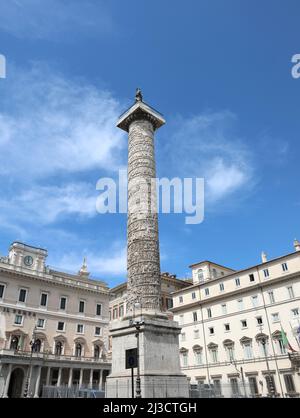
x: 143, y: 261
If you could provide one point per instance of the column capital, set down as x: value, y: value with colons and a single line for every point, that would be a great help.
x: 140, y: 111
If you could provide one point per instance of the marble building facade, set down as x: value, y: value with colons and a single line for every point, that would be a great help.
x: 64, y: 315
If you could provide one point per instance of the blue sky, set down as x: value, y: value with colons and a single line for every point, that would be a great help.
x: 220, y: 72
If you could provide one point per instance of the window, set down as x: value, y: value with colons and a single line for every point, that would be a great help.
x: 214, y: 272
x: 253, y: 386
x: 181, y: 319
x: 195, y: 317
x: 251, y: 277
x: 284, y: 267
x: 207, y: 291
x: 275, y: 317
x: 184, y: 357
x: 169, y: 303
x: 22, y: 295
x: 58, y: 348
x: 36, y: 346
x: 240, y: 304
x: 282, y: 349
x: 81, y: 306
x: 244, y: 323
x: 198, y: 357
x: 266, y: 273
x: 18, y: 319
x: 60, y: 326
x: 217, y: 387
x: 180, y: 299
x: 196, y: 333
x: 295, y: 312
x: 227, y: 327
x: 270, y: 383
x: 183, y: 336
x: 115, y: 313
x: 289, y: 383
x: 230, y: 352
x: 254, y: 300
x: 221, y: 287
x: 235, y: 391
x: 248, y: 353
x: 2, y: 287
x: 63, y: 303
x: 121, y: 311
x: 237, y: 282
x: 40, y: 323
x: 97, y: 331
x: 259, y: 320
x: 214, y: 355
x: 99, y: 309
x: 291, y: 292
x: 211, y: 330
x: 271, y: 296
x: 224, y: 309
x: 79, y: 328
x: 44, y: 299
x: 96, y: 351
x: 78, y: 350
x: 200, y: 275
x: 193, y: 295
x: 209, y: 313
x: 14, y: 344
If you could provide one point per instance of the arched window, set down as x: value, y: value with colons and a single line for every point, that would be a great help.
x: 200, y: 275
x: 58, y: 348
x: 14, y: 343
x: 36, y: 346
x: 96, y: 351
x: 78, y: 350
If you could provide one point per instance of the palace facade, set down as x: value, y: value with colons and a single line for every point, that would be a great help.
x: 236, y: 326
x: 53, y: 326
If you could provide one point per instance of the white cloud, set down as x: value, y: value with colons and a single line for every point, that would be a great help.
x: 204, y: 146
x: 45, y: 204
x: 55, y: 19
x: 111, y: 261
x: 53, y: 125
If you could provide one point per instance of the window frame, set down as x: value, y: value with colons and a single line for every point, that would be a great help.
x: 100, y: 304
x: 64, y: 326
x: 26, y: 294
x: 80, y: 332
x: 81, y: 301
x: 41, y: 297
x: 60, y: 300
x: 4, y: 289
x: 20, y: 324
x: 44, y: 323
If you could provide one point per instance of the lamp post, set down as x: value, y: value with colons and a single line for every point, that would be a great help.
x: 270, y: 386
x: 241, y: 373
x: 28, y: 378
x: 137, y: 325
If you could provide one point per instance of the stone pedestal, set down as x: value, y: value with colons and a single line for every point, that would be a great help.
x: 158, y: 356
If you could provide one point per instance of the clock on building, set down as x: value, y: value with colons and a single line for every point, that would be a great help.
x: 28, y: 260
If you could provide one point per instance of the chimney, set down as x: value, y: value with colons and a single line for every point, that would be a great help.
x: 263, y: 257
x: 296, y: 245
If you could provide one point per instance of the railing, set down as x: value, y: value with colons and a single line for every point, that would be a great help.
x: 50, y: 356
x: 241, y: 361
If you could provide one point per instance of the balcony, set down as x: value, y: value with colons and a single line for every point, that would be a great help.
x: 45, y: 356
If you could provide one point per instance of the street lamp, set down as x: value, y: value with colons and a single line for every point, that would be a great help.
x: 241, y: 373
x: 28, y: 378
x: 137, y: 325
x: 270, y: 386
